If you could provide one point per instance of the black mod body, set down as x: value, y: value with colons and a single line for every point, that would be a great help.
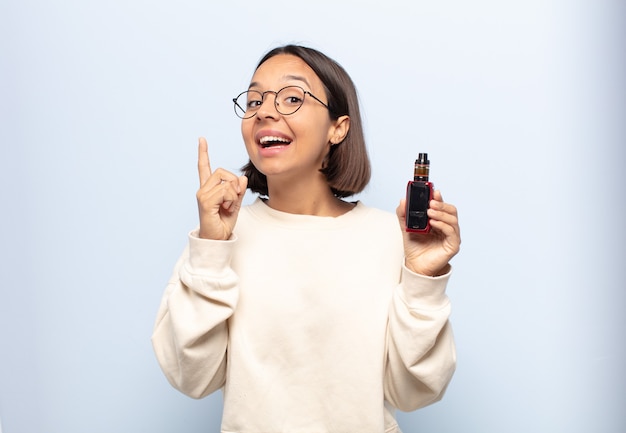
x: 418, y: 196
x: 419, y: 191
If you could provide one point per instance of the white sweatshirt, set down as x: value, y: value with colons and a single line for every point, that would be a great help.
x: 309, y: 324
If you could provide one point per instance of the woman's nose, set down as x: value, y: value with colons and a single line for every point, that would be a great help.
x: 268, y: 106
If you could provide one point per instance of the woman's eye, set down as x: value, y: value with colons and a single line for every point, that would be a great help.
x: 292, y: 100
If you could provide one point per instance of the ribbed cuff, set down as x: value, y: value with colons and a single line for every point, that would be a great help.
x: 207, y: 255
x: 421, y: 291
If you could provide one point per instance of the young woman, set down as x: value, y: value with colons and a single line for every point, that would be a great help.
x: 312, y: 313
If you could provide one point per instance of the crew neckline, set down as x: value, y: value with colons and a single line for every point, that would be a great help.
x: 260, y: 209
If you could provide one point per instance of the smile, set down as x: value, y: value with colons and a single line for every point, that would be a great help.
x: 270, y: 140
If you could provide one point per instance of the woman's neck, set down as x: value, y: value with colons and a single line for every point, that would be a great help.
x: 306, y: 198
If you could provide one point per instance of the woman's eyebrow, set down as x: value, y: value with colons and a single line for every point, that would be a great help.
x: 298, y: 78
x: 285, y: 78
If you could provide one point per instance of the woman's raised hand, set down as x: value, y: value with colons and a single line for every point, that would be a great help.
x: 219, y: 197
x: 430, y: 253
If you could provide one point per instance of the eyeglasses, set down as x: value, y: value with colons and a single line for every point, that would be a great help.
x: 287, y: 101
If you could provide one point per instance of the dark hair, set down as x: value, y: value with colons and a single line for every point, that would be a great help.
x: 347, y: 166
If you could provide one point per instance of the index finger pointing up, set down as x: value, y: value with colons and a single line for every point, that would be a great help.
x: 204, y: 165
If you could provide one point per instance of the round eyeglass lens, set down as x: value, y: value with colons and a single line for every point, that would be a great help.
x: 289, y: 99
x: 247, y: 103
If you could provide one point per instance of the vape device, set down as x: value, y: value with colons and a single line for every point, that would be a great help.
x: 419, y: 191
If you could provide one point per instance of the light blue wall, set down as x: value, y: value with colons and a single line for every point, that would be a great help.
x: 520, y: 104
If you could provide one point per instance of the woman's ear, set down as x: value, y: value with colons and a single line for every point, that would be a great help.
x: 339, y: 130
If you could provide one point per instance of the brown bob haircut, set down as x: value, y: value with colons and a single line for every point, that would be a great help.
x: 347, y: 166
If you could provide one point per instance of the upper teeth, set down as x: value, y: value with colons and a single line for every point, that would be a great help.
x: 269, y: 138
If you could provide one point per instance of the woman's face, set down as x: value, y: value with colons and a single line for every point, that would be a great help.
x: 301, y: 140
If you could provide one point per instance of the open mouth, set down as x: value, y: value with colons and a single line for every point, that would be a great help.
x: 270, y: 141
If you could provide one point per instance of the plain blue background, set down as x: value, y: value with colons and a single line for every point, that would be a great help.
x: 520, y: 105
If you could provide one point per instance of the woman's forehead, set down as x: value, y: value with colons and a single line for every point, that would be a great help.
x: 283, y: 69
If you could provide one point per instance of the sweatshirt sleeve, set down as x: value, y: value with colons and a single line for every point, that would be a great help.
x: 421, y: 355
x: 190, y: 333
